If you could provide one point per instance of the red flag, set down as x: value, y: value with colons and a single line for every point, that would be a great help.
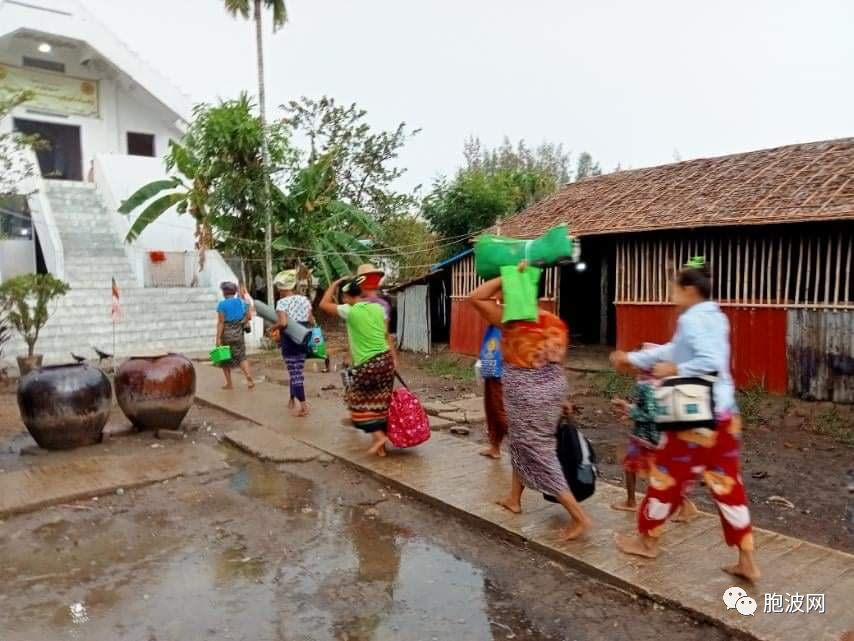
x: 116, y: 309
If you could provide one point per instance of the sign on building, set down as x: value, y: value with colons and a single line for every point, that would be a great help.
x: 54, y: 93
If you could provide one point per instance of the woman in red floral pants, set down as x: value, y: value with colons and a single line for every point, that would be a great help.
x: 700, y: 347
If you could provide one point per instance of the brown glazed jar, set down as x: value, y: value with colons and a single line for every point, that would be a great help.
x: 65, y: 406
x: 156, y: 392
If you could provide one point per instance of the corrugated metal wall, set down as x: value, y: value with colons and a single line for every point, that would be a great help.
x: 413, y: 319
x: 820, y: 349
x: 758, y: 338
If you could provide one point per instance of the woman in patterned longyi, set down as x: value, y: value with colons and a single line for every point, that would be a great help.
x: 372, y: 375
x: 534, y: 392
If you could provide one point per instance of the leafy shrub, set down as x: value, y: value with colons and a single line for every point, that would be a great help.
x: 26, y: 299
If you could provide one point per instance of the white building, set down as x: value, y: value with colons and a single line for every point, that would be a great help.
x: 108, y: 117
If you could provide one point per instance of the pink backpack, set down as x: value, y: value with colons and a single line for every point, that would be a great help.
x: 408, y: 424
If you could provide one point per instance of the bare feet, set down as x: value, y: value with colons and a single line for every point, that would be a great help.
x: 378, y: 447
x: 250, y: 383
x: 624, y: 506
x: 304, y: 411
x: 291, y: 404
x: 636, y: 545
x: 511, y: 505
x: 576, y: 529
x: 227, y: 387
x: 687, y: 512
x: 491, y: 452
x: 746, y: 567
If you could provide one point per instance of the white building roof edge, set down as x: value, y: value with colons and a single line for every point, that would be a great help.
x: 71, y: 19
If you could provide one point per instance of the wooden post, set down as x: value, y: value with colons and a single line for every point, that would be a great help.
x: 848, y: 272
x: 729, y: 272
x: 799, y: 272
x: 838, y: 270
x: 780, y: 270
x: 809, y: 272
x: 603, y: 301
x: 738, y: 277
x: 817, y: 269
x: 762, y: 273
x: 827, y: 270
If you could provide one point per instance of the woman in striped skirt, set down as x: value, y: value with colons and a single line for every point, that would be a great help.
x: 293, y: 308
x: 535, y: 389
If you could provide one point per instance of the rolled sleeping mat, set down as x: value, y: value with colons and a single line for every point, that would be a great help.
x: 491, y: 253
x: 266, y: 312
x: 297, y: 332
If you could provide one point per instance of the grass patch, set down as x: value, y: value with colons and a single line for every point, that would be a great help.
x: 614, y: 385
x: 750, y: 400
x: 449, y: 367
x: 831, y: 423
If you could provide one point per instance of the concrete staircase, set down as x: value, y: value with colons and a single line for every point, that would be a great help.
x: 153, y: 319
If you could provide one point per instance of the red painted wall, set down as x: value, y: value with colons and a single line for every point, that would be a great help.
x: 467, y: 326
x: 758, y: 338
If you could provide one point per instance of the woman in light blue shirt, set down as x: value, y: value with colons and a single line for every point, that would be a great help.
x: 700, y: 347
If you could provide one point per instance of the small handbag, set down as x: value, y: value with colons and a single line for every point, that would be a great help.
x: 685, y: 403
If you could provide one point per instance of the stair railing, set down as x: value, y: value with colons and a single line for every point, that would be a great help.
x: 43, y: 219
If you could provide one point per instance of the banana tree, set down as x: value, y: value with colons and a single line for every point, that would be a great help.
x: 186, y: 190
x: 325, y: 232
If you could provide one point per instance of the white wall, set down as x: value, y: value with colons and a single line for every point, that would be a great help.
x: 16, y: 257
x: 123, y: 106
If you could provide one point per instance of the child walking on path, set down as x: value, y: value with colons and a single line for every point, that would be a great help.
x: 643, y: 441
x: 493, y: 395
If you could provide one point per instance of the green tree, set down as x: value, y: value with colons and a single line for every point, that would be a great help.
x: 416, y: 248
x: 280, y: 16
x: 586, y: 168
x: 218, y: 176
x: 492, y: 184
x: 14, y: 165
x: 460, y: 207
x: 363, y: 159
x: 315, y: 226
x: 26, y: 300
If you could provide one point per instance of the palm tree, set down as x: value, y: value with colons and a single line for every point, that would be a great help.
x: 280, y: 16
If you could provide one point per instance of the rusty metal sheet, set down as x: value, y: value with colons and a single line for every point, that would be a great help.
x: 757, y: 337
x: 820, y: 346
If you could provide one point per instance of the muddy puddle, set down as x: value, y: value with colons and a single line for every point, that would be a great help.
x: 262, y: 554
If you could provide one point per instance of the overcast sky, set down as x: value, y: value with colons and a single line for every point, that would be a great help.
x: 631, y: 81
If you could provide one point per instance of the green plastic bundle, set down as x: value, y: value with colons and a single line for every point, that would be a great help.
x: 521, y: 293
x: 491, y: 253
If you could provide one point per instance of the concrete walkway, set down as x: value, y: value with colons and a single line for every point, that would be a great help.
x: 448, y: 472
x: 39, y: 486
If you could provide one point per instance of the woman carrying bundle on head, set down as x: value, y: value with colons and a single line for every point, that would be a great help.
x: 372, y: 373
x: 293, y: 308
x: 535, y: 389
x: 702, y: 436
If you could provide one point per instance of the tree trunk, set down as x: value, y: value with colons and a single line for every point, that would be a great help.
x: 265, y: 158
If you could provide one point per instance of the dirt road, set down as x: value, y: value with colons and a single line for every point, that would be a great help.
x: 297, y: 552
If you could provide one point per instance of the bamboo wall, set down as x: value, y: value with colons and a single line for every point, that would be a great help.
x: 778, y: 269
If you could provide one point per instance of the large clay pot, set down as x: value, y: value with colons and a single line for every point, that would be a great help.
x: 65, y: 406
x: 156, y: 392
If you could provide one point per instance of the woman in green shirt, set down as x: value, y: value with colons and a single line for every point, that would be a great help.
x: 372, y: 374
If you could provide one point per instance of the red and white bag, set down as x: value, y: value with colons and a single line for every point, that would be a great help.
x: 408, y: 424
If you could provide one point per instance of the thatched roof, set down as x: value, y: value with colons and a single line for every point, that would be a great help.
x: 796, y: 183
